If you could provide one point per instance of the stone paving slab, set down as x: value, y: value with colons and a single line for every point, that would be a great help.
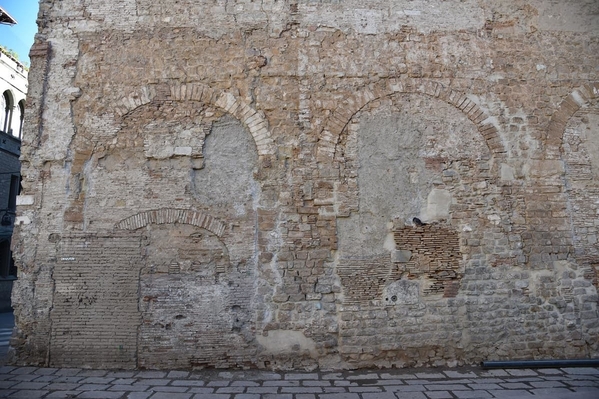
x: 467, y: 383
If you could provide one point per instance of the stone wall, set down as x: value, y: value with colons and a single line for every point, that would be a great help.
x: 304, y: 184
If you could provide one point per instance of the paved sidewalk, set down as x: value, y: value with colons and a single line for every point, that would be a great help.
x: 7, y: 322
x: 567, y: 383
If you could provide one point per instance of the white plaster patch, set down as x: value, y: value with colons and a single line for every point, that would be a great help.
x: 576, y: 96
x: 23, y: 200
x: 437, y: 205
x: 279, y: 342
x: 22, y: 220
x: 495, y: 219
x: 72, y: 93
x: 185, y: 151
x: 389, y: 243
x: 402, y: 292
x: 507, y: 172
x: 367, y: 21
x: 161, y: 142
x: 544, y: 168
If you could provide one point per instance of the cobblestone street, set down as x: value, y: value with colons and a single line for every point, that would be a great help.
x: 567, y: 383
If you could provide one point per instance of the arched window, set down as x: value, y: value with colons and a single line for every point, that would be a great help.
x: 21, y: 117
x: 2, y: 113
x: 7, y: 111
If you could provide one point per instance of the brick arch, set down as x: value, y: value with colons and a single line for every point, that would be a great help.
x: 171, y: 216
x: 567, y: 108
x: 352, y: 105
x: 252, y: 119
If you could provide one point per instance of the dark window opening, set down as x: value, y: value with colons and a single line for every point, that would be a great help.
x: 7, y: 100
x: 15, y: 189
x: 22, y: 118
x: 7, y: 264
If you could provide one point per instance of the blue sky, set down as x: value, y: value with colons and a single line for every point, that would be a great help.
x: 19, y: 37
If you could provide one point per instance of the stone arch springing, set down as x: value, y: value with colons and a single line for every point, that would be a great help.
x: 352, y: 105
x: 567, y: 108
x: 171, y: 216
x: 249, y: 117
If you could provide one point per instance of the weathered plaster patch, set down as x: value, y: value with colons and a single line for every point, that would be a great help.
x: 279, y: 342
x: 437, y: 205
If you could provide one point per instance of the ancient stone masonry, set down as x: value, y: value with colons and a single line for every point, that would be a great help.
x: 301, y: 184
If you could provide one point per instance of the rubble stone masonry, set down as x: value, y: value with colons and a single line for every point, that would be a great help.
x: 302, y: 184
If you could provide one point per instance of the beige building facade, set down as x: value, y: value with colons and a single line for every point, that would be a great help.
x: 13, y: 90
x: 301, y: 184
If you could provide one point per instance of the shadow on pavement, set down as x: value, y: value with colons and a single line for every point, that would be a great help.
x: 7, y: 322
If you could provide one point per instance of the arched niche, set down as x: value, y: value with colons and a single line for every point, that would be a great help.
x: 160, y: 130
x: 251, y: 119
x: 353, y: 103
x: 165, y: 153
x: 405, y: 157
x: 194, y: 299
x: 195, y: 307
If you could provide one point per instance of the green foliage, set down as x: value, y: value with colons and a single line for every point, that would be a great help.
x: 14, y: 55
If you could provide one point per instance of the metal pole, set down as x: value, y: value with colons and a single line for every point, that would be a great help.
x: 553, y: 363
